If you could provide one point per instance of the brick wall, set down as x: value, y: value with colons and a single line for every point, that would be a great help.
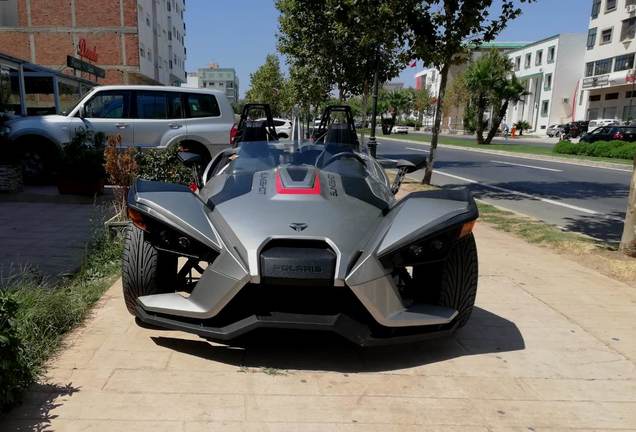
x: 53, y: 43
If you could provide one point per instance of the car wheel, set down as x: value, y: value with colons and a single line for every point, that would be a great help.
x: 38, y: 161
x: 459, y: 279
x: 145, y: 270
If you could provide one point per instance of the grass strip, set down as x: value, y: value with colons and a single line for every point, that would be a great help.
x: 35, y: 314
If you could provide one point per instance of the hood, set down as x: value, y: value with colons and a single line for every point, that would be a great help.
x: 296, y: 203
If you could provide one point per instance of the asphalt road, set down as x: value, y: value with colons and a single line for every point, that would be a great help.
x: 577, y: 198
x: 526, y: 141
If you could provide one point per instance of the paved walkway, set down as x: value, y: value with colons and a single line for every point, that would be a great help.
x: 44, y: 231
x: 551, y: 346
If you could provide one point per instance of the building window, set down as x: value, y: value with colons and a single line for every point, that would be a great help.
x: 624, y: 62
x: 630, y: 94
x: 610, y: 6
x: 169, y: 35
x: 142, y: 53
x: 602, y: 67
x: 544, y: 108
x: 596, y: 7
x: 517, y: 63
x: 595, y: 98
x: 547, y: 84
x: 629, y: 113
x: 528, y: 60
x: 611, y: 96
x: 628, y: 30
x: 609, y: 112
x: 551, y: 52
x: 538, y: 59
x: 148, y: 20
x: 589, y: 69
x: 591, y: 38
x: 9, y: 13
x: 606, y: 36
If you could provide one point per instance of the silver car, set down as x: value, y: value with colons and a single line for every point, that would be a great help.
x: 144, y: 116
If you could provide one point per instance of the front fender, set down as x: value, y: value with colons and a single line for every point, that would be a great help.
x: 176, y: 206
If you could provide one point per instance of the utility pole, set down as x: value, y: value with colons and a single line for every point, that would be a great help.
x: 373, y: 145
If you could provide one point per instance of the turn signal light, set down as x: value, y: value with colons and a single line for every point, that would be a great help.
x: 137, y: 219
x: 467, y: 228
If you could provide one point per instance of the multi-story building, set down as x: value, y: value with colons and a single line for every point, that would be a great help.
x: 549, y: 71
x: 609, y: 78
x: 217, y: 78
x: 134, y: 41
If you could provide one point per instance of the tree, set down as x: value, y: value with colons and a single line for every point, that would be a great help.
x: 457, y: 96
x: 522, y: 125
x: 441, y: 29
x: 398, y: 101
x: 306, y: 89
x: 628, y: 240
x: 267, y: 85
x: 491, y: 83
x: 343, y: 41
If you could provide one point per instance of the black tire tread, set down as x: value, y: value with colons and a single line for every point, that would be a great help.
x: 145, y: 271
x: 459, y: 279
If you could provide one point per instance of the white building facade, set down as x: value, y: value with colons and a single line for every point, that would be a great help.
x: 608, y: 84
x: 549, y: 71
x: 162, y: 52
x: 216, y: 78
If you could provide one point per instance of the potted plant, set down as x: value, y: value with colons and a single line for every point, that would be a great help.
x: 81, y: 166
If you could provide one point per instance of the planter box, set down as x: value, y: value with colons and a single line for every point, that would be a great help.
x: 74, y: 187
x: 10, y: 178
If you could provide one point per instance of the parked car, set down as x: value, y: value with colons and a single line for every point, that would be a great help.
x: 611, y: 133
x: 399, y: 129
x: 144, y: 116
x: 553, y: 130
x: 283, y: 127
x: 593, y: 124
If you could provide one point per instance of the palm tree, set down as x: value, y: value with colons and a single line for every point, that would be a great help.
x: 509, y: 91
x: 399, y: 101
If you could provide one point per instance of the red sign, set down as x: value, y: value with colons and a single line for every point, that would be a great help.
x: 84, y: 51
x: 631, y: 77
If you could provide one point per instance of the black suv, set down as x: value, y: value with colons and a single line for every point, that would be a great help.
x: 611, y: 133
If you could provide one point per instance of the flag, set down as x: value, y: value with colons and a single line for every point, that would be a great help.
x: 414, y: 64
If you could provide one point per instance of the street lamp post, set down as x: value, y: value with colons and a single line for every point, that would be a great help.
x: 373, y: 145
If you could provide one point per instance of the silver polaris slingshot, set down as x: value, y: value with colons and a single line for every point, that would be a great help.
x: 304, y: 234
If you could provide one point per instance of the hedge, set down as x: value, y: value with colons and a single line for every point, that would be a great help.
x: 606, y: 149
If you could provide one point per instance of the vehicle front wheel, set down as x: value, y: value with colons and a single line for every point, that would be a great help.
x: 145, y: 269
x: 459, y: 279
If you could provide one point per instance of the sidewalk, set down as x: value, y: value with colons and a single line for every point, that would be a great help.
x: 551, y: 346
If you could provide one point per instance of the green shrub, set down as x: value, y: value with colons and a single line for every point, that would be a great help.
x: 162, y: 165
x: 605, y: 149
x: 35, y: 315
x: 15, y: 375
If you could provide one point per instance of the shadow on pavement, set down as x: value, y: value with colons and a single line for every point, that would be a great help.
x: 609, y: 230
x: 276, y: 349
x: 41, y: 399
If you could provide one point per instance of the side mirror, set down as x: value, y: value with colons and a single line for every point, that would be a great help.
x: 192, y: 161
x: 404, y: 167
x: 189, y: 159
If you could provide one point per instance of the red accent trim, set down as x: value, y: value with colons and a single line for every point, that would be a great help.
x: 297, y: 191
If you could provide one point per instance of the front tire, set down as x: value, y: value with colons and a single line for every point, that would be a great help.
x: 459, y: 279
x: 145, y: 269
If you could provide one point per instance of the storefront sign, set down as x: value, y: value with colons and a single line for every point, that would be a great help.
x: 84, y: 51
x: 596, y: 81
x: 83, y: 66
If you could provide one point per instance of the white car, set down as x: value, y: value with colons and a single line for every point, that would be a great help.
x: 283, y: 127
x: 143, y: 116
x: 593, y: 124
x: 398, y: 129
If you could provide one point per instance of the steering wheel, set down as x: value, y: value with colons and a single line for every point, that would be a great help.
x: 343, y: 155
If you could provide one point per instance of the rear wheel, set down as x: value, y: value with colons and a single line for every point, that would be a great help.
x: 459, y: 279
x: 146, y: 270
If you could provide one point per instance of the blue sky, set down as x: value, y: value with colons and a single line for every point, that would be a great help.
x: 240, y: 33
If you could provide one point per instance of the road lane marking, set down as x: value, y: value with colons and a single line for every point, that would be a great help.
x: 526, y: 195
x: 527, y: 166
x: 510, y: 155
x: 414, y: 149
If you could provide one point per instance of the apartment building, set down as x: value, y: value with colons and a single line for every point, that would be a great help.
x: 549, y: 70
x: 608, y: 87
x: 132, y: 41
x: 216, y: 78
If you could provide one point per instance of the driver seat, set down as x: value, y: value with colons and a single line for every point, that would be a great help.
x: 337, y: 140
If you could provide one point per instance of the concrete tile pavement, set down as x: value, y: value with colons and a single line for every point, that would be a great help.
x: 551, y: 347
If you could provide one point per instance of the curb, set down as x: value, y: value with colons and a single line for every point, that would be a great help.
x: 594, y: 164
